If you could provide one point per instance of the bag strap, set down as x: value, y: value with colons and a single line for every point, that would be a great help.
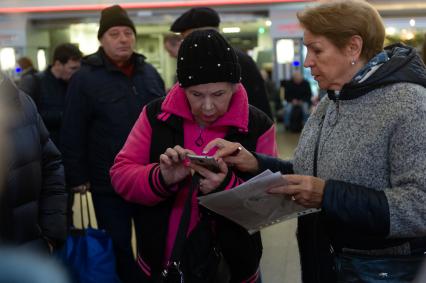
x: 184, y: 222
x: 86, y: 198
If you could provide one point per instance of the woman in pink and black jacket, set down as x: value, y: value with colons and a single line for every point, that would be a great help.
x: 207, y: 103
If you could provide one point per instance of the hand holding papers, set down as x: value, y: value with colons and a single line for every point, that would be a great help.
x: 251, y: 206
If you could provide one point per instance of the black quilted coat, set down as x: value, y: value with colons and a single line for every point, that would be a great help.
x: 33, y: 199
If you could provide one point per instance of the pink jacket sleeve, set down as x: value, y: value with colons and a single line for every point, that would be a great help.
x: 132, y: 175
x: 266, y: 144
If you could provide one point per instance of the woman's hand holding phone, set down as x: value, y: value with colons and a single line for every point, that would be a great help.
x: 208, y: 162
x: 213, y: 170
x: 172, y: 165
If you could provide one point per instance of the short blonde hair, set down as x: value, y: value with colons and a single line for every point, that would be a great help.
x: 340, y: 20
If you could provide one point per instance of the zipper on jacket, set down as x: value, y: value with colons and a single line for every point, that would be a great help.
x: 135, y: 91
x: 337, y: 102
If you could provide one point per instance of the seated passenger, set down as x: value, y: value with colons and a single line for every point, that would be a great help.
x: 297, y: 92
x: 208, y: 102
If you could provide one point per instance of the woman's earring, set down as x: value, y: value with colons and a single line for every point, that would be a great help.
x: 353, y: 62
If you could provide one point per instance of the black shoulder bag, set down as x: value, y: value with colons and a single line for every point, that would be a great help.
x: 197, y: 258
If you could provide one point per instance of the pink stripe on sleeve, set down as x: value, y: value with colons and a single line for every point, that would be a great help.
x: 253, y: 278
x: 145, y: 268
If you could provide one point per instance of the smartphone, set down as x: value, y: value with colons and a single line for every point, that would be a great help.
x: 206, y: 161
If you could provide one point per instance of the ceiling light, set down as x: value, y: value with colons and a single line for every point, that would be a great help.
x: 285, y: 51
x: 41, y: 59
x: 390, y: 31
x: 407, y: 36
x: 231, y: 30
x: 7, y: 58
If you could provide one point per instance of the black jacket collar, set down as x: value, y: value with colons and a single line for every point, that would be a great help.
x: 100, y: 59
x: 405, y: 65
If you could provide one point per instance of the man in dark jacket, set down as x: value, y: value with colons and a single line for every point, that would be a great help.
x: 48, y: 88
x: 104, y: 99
x: 204, y: 17
x: 33, y: 198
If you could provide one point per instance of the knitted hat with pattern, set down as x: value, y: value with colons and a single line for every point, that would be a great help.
x: 206, y: 57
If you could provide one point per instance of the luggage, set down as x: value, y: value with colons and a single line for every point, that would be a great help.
x: 296, y: 119
x: 88, y: 253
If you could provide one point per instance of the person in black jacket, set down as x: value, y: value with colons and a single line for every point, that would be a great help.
x: 33, y: 198
x: 48, y: 88
x: 204, y: 17
x: 104, y: 99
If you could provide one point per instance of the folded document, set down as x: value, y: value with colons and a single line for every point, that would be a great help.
x: 251, y: 206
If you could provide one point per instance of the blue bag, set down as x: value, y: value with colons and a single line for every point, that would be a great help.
x: 88, y: 253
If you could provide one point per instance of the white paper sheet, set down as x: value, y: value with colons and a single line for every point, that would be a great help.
x: 251, y: 206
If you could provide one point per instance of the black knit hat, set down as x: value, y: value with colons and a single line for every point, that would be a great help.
x: 196, y: 18
x: 114, y: 16
x: 206, y: 57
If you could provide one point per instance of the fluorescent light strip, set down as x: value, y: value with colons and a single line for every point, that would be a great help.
x: 144, y: 5
x: 231, y: 30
